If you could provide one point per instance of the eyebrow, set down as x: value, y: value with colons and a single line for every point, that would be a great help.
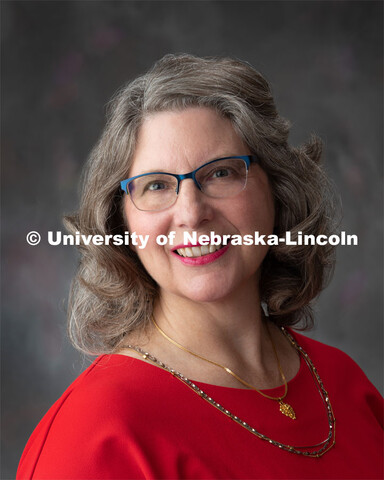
x: 204, y: 162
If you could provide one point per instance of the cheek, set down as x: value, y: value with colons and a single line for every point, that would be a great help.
x: 144, y: 223
x: 262, y: 205
x: 256, y: 213
x: 136, y: 220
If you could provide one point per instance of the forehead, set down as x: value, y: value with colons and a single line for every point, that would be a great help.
x: 179, y: 141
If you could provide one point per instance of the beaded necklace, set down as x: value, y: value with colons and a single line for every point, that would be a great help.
x: 284, y: 407
x: 316, y: 450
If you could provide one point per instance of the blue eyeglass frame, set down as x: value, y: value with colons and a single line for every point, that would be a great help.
x: 248, y: 159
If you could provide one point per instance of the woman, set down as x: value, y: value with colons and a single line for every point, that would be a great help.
x: 200, y: 375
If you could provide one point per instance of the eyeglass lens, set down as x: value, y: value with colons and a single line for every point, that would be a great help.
x: 219, y: 179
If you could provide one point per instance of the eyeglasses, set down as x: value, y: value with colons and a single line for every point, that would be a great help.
x: 221, y: 178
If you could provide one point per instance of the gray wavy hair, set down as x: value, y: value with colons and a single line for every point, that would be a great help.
x: 112, y: 295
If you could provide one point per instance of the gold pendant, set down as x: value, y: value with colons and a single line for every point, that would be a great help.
x: 287, y: 410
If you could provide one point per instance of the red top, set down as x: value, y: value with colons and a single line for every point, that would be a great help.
x: 126, y: 419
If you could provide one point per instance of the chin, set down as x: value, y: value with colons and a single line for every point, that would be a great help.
x: 203, y: 293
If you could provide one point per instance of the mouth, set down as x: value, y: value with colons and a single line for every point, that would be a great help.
x: 197, y: 251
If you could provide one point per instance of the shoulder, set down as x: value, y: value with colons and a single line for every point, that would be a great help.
x: 341, y: 374
x: 113, y: 387
x: 329, y: 359
x: 327, y: 355
x: 100, y: 413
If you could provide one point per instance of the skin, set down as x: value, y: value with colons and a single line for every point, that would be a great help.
x: 212, y: 309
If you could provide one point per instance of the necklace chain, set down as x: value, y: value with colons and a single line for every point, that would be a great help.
x: 284, y: 408
x: 316, y: 450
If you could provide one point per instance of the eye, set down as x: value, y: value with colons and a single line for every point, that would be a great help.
x: 226, y: 172
x: 154, y: 186
x: 221, y: 172
x: 157, y: 185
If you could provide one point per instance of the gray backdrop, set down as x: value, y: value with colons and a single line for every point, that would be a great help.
x: 62, y: 61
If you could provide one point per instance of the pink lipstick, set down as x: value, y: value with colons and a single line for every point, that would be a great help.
x: 199, y: 260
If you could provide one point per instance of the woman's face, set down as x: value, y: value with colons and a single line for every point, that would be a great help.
x: 179, y: 142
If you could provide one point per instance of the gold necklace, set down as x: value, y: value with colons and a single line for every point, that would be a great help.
x: 317, y: 450
x: 284, y: 407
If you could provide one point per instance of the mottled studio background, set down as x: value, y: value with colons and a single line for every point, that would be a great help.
x: 62, y: 61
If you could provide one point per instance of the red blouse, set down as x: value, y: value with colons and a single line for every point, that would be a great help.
x: 126, y: 419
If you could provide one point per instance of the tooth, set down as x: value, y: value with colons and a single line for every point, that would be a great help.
x: 196, y: 251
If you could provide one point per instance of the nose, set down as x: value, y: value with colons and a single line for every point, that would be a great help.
x: 192, y: 207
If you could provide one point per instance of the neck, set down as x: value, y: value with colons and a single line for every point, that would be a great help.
x: 231, y: 332
x: 234, y: 324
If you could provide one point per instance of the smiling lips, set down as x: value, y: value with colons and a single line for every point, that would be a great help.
x: 197, y: 251
x: 199, y: 254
